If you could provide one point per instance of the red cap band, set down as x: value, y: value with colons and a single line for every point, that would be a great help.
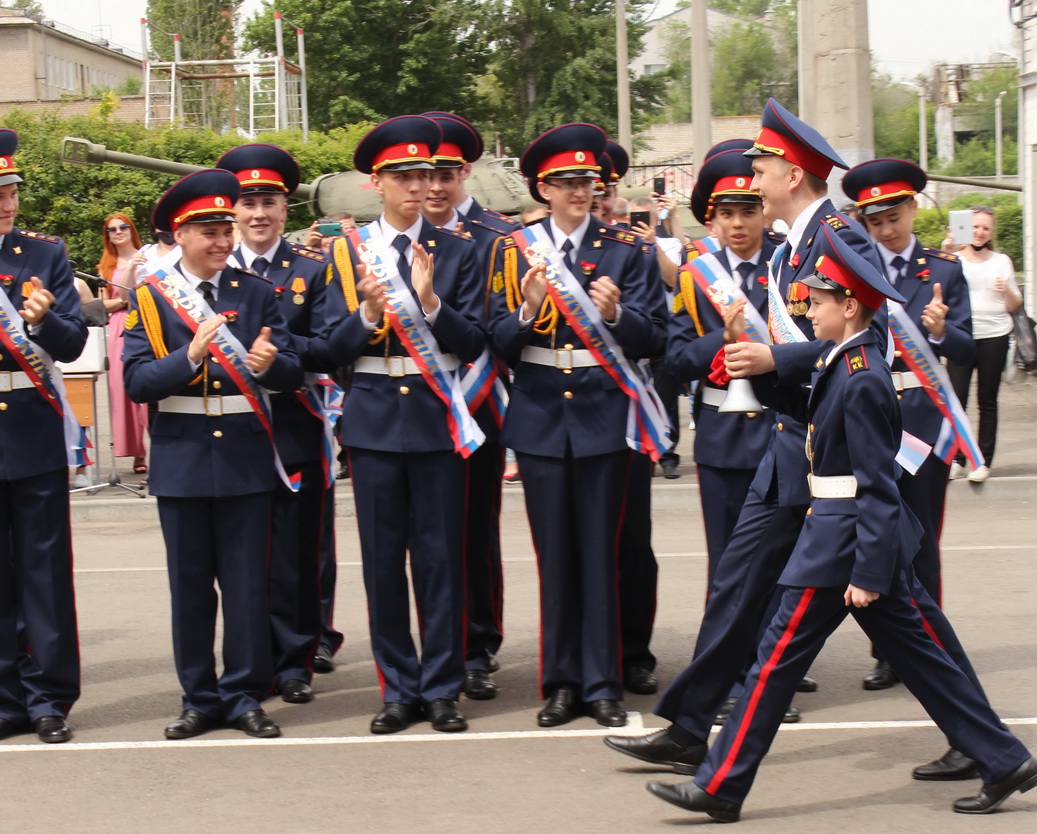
x: 403, y: 152
x: 836, y: 271
x: 7, y: 165
x: 794, y: 152
x: 210, y: 204
x: 253, y: 177
x: 449, y: 152
x: 885, y: 191
x: 733, y: 185
x: 568, y: 161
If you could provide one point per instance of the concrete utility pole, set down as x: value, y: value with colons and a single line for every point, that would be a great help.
x: 701, y: 107
x: 623, y: 78
x: 835, y: 76
x: 1024, y: 16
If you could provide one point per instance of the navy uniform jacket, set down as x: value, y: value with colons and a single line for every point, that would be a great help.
x: 541, y: 419
x: 854, y: 427
x: 377, y: 414
x: 726, y: 441
x: 193, y: 455
x: 926, y: 268
x: 784, y: 459
x: 32, y: 438
x: 299, y: 435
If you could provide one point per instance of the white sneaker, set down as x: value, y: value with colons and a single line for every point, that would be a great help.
x: 80, y: 481
x: 691, y: 424
x: 978, y: 476
x: 957, y: 471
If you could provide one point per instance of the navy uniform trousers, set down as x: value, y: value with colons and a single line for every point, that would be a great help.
x: 638, y: 568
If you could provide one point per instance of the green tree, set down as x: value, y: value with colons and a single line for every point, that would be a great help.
x: 895, y: 113
x: 371, y: 59
x: 206, y: 28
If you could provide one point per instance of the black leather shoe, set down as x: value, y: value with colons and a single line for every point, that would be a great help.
x: 725, y: 711
x: 191, y: 723
x: 296, y: 692
x: 659, y: 749
x: 950, y: 767
x: 691, y: 797
x: 560, y: 708
x: 258, y: 724
x: 881, y: 677
x: 640, y: 681
x: 808, y: 684
x: 493, y: 664
x: 479, y: 686
x: 392, y: 718
x: 52, y: 729
x: 342, y: 474
x: 10, y: 728
x: 445, y: 716
x: 322, y: 660
x: 1022, y: 779
x: 607, y: 712
x: 791, y: 715
x: 670, y: 469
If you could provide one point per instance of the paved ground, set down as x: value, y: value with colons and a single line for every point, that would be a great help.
x: 846, y: 767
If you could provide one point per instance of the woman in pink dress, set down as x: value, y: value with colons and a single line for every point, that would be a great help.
x: 121, y: 243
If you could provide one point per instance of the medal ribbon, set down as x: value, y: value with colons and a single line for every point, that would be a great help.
x: 481, y: 382
x: 647, y: 425
x: 414, y: 333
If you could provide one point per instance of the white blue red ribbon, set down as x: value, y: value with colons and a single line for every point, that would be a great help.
x: 719, y: 286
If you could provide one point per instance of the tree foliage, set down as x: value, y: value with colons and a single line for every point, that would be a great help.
x: 895, y: 113
x: 206, y: 28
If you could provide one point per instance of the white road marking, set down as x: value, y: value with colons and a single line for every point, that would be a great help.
x: 635, y: 727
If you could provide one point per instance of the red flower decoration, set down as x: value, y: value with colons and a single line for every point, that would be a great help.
x: 230, y: 315
x: 794, y: 260
x: 923, y: 274
x: 587, y: 267
x: 762, y: 280
x: 278, y: 292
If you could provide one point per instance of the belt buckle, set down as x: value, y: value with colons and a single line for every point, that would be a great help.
x: 214, y: 406
x: 564, y: 359
x: 395, y: 366
x: 5, y: 382
x: 898, y: 380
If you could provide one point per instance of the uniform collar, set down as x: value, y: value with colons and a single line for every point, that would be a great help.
x: 194, y: 280
x: 247, y: 257
x: 559, y: 237
x: 834, y: 352
x: 466, y: 206
x: 799, y: 227
x: 888, y: 256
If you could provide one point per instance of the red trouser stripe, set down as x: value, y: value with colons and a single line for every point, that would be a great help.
x: 761, y: 684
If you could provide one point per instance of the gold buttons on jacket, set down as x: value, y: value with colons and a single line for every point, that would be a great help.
x: 810, y: 510
x: 217, y: 384
x: 3, y: 406
x: 897, y: 354
x: 781, y: 427
x: 404, y: 389
x: 568, y: 395
x: 217, y: 433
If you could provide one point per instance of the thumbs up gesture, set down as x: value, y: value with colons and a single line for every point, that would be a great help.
x: 934, y: 316
x: 262, y: 353
x: 37, y: 304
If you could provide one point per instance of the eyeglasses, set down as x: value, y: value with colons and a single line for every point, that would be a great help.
x: 122, y: 227
x: 575, y: 184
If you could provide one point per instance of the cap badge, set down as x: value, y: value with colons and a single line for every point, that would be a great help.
x: 580, y: 156
x: 255, y: 174
x: 875, y: 191
x: 740, y: 182
x: 412, y: 149
x: 220, y: 202
x: 3, y: 162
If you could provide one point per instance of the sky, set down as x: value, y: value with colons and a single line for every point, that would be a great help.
x: 956, y: 31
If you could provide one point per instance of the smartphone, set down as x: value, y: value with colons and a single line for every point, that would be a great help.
x: 640, y: 217
x: 329, y: 229
x: 960, y: 223
x: 659, y: 185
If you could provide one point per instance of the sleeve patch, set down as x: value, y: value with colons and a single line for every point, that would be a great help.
x: 856, y: 361
x: 131, y: 320
x: 678, y: 303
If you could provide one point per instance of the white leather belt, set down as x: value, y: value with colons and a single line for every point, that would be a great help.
x: 902, y: 380
x: 564, y: 358
x: 211, y: 406
x: 14, y: 381
x: 398, y: 365
x: 832, y: 486
x: 713, y: 396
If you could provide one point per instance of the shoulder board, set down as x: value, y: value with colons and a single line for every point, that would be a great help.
x: 39, y: 236
x: 509, y: 242
x: 646, y: 248
x: 615, y: 233
x: 836, y: 221
x: 454, y: 233
x: 855, y: 360
x: 306, y: 251
x: 773, y: 236
x: 250, y: 273
x: 494, y: 220
x: 939, y: 253
x: 496, y: 215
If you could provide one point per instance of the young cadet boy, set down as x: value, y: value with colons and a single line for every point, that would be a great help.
x: 41, y: 322
x: 449, y: 207
x: 853, y: 556
x: 938, y: 303
x: 411, y: 300
x: 268, y: 175
x: 568, y: 415
x: 203, y: 341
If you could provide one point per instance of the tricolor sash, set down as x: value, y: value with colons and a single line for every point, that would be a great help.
x: 783, y: 330
x: 45, y: 377
x: 408, y: 321
x: 918, y: 355
x: 481, y: 382
x: 647, y: 425
x: 718, y: 285
x: 227, y: 350
x: 319, y: 397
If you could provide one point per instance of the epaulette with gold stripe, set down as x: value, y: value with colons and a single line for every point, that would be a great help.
x: 855, y: 360
x: 616, y: 233
x: 454, y: 233
x: 939, y: 253
x: 251, y: 274
x: 836, y: 221
x: 39, y: 236
x: 306, y: 252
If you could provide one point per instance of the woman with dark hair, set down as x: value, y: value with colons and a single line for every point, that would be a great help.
x: 994, y: 296
x: 116, y: 268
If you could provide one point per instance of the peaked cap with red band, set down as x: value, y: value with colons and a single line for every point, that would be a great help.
x: 842, y: 270
x: 403, y: 143
x: 883, y: 183
x: 789, y: 137
x: 461, y: 141
x: 201, y: 197
x: 563, y: 152
x: 726, y: 177
x: 9, y: 173
x: 262, y: 168
x: 606, y: 175
x: 620, y: 161
x: 699, y: 205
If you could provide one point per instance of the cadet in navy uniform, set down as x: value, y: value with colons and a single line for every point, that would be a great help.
x: 212, y: 458
x: 853, y: 556
x: 567, y: 418
x: 938, y: 302
x: 484, y: 582
x: 268, y: 175
x: 790, y: 161
x: 38, y: 686
x: 408, y: 480
x: 728, y: 447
